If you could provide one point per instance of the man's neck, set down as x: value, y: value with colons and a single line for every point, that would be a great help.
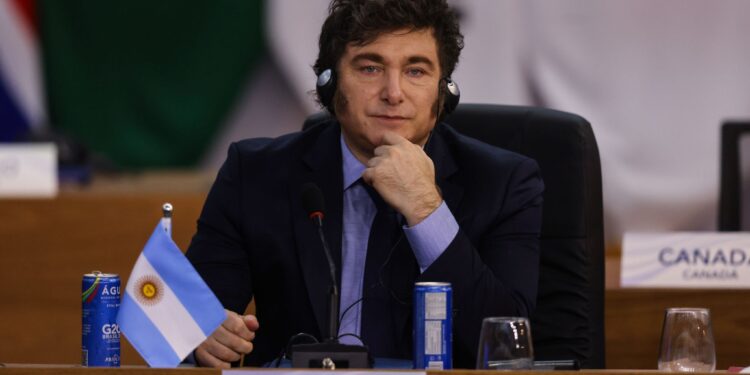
x: 352, y: 166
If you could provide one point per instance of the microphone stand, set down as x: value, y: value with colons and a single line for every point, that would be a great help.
x: 330, y: 353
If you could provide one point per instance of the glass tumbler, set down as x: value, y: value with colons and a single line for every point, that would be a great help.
x: 687, y: 341
x: 505, y: 344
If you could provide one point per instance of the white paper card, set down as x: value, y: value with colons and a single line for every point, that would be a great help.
x: 28, y: 170
x: 686, y: 260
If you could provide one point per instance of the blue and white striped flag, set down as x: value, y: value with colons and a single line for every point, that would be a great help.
x: 167, y: 310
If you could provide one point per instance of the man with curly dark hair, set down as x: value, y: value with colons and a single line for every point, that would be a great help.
x: 408, y: 200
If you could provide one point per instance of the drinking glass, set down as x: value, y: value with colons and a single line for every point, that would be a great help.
x: 687, y: 341
x: 505, y: 344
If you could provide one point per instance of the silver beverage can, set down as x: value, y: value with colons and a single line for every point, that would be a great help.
x: 433, y: 331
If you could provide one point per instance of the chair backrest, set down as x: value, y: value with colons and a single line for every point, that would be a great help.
x: 731, y: 184
x: 568, y: 322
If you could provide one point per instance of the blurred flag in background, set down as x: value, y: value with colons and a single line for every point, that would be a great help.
x: 22, y: 106
x: 146, y: 83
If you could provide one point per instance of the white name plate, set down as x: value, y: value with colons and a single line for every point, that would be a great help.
x: 28, y: 170
x: 686, y: 260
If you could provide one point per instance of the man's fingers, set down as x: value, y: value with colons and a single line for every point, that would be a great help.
x: 382, y: 150
x: 207, y: 360
x: 367, y: 176
x: 206, y: 357
x: 372, y: 174
x: 397, y: 147
x: 244, y: 326
x: 374, y: 161
x: 232, y: 341
x: 242, y: 331
x: 229, y: 341
x: 391, y: 138
x: 233, y: 322
x: 251, y: 322
x: 222, y: 351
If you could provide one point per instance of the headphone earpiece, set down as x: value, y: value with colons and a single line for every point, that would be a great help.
x: 325, y: 86
x: 452, y: 95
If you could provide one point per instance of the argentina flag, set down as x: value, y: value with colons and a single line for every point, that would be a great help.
x: 167, y: 310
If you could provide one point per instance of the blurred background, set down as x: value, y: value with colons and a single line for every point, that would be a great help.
x: 144, y: 97
x: 143, y: 85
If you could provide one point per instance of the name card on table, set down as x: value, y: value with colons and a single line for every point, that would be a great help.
x: 28, y: 170
x: 686, y: 260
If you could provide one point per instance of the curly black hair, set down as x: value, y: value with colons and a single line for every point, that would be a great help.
x: 362, y: 21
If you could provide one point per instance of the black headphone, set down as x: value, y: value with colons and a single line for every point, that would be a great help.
x: 326, y: 88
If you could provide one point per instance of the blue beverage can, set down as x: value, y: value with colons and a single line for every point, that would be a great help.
x: 433, y: 331
x: 100, y: 334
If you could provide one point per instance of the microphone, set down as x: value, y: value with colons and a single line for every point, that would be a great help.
x: 312, y: 201
x: 330, y: 353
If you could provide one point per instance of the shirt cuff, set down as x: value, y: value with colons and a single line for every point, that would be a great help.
x: 431, y: 236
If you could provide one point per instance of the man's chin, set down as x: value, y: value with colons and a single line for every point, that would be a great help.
x: 408, y: 136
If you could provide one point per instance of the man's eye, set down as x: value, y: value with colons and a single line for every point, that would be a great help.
x: 415, y: 72
x: 368, y: 69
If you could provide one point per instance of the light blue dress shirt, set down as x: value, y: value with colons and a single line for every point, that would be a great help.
x: 428, y: 240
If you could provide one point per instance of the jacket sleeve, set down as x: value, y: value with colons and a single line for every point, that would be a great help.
x: 218, y: 251
x: 495, y: 273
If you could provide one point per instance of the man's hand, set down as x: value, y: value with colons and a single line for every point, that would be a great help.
x: 404, y: 176
x: 229, y: 342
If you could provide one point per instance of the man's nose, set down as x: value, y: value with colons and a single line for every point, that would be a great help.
x: 391, y: 92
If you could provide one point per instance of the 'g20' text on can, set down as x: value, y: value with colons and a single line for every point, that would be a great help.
x: 100, y: 334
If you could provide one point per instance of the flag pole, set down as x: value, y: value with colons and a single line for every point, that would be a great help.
x: 166, y: 219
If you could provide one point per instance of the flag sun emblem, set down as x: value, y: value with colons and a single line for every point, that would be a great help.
x: 149, y: 290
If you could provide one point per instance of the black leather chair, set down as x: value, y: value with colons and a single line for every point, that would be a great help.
x: 731, y: 187
x: 569, y: 319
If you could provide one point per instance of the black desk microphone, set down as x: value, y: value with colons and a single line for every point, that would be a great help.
x: 329, y: 354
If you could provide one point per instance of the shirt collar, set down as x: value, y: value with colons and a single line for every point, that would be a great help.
x: 352, y: 167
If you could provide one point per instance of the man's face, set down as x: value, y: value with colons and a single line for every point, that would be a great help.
x: 390, y: 84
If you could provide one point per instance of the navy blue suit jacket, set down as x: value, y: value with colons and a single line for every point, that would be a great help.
x: 254, y: 238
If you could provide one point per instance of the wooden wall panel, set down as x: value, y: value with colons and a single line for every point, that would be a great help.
x: 634, y: 318
x: 47, y: 245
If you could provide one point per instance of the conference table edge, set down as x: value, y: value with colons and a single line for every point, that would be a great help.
x: 31, y: 369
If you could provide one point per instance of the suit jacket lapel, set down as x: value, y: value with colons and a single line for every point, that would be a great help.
x: 322, y: 165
